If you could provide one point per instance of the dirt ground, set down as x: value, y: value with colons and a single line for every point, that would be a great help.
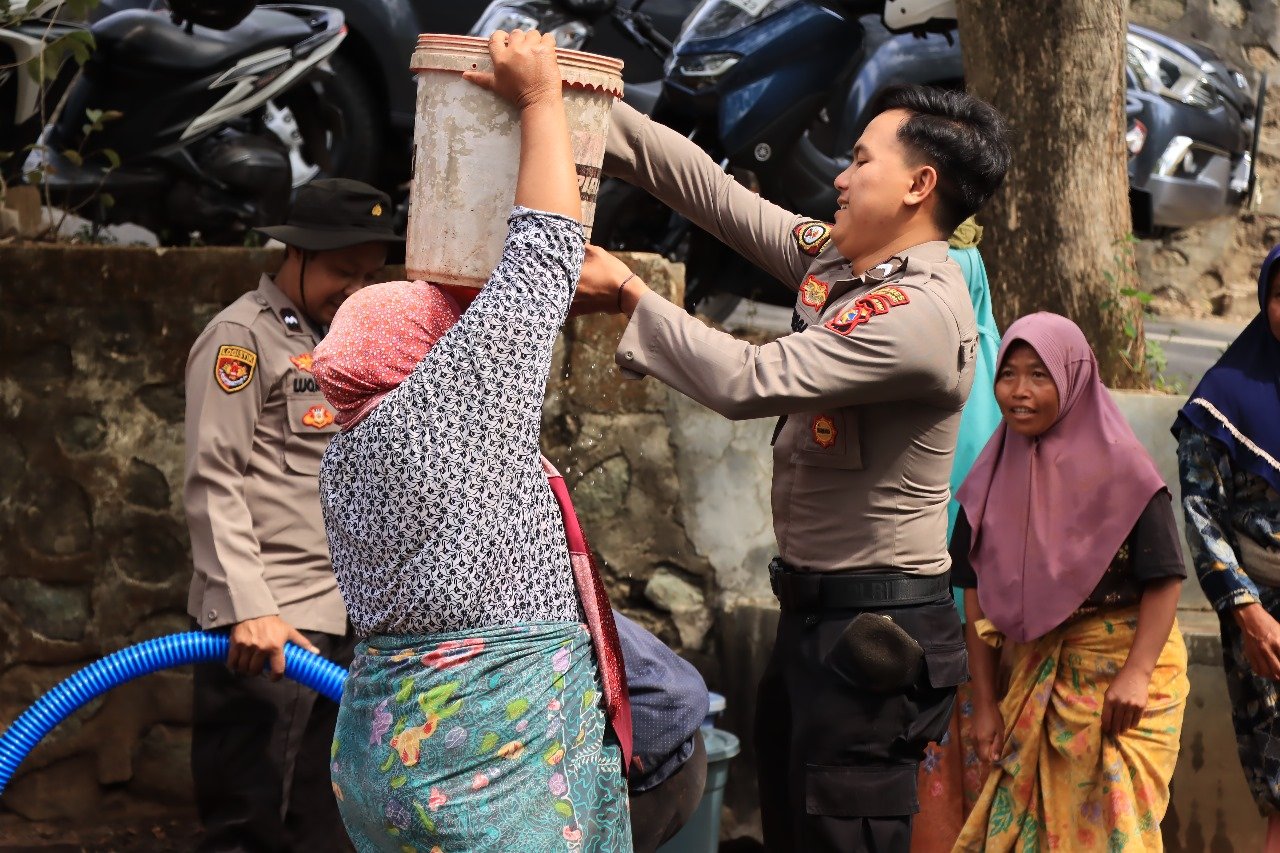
x: 135, y: 836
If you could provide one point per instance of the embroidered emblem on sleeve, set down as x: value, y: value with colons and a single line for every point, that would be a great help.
x: 233, y: 369
x: 303, y: 362
x: 317, y: 417
x: 824, y: 431
x: 873, y: 304
x: 812, y: 236
x: 814, y: 292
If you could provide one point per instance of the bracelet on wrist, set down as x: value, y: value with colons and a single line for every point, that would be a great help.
x: 622, y: 287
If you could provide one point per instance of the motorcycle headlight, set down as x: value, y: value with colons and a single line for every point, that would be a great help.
x: 571, y: 35
x: 701, y: 71
x: 718, y: 18
x: 1163, y: 72
x: 506, y: 17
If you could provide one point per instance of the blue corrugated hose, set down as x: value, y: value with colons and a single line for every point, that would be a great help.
x: 323, y: 676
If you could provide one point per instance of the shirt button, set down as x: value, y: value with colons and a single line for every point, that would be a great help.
x: 629, y: 355
x: 213, y: 614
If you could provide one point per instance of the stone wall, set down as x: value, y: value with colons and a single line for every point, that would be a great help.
x: 1212, y: 268
x: 94, y: 553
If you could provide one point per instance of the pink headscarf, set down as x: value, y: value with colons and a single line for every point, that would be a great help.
x: 376, y: 340
x: 1049, y: 514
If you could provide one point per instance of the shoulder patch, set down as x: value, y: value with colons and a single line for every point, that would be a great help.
x: 873, y: 304
x: 813, y: 292
x: 812, y: 236
x: 234, y: 367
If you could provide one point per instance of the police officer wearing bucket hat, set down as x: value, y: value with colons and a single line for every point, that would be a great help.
x: 256, y: 428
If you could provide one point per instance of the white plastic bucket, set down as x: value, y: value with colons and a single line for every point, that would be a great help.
x: 466, y: 152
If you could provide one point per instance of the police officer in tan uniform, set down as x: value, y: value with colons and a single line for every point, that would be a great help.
x: 868, y: 392
x: 256, y: 428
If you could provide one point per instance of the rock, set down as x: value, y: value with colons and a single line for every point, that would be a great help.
x: 57, y: 612
x: 162, y: 768
x: 151, y: 553
x: 166, y: 401
x: 59, y: 519
x: 1230, y: 13
x: 146, y: 486
x: 46, y: 364
x: 81, y: 433
x: 684, y: 602
x: 602, y: 491
x: 67, y: 790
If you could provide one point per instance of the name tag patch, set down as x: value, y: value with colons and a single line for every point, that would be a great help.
x: 873, y: 304
x: 233, y: 369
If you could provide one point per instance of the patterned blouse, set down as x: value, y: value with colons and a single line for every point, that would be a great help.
x: 439, y: 515
x: 1221, y: 504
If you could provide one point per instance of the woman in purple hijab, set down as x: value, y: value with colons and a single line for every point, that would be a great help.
x: 1068, y: 551
x: 1229, y: 464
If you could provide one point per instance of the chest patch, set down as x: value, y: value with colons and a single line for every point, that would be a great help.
x: 812, y: 236
x: 303, y: 362
x: 814, y: 292
x: 873, y: 304
x: 233, y: 369
x: 317, y: 417
x: 824, y: 431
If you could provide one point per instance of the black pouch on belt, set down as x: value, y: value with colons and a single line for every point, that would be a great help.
x: 874, y: 653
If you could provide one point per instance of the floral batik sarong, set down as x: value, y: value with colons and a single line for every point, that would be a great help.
x: 1061, y: 784
x: 491, y: 739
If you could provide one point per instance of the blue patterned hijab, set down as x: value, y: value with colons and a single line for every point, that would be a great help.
x: 1238, y: 400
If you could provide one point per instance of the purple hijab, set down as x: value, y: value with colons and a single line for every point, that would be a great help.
x: 1049, y: 514
x: 1237, y: 402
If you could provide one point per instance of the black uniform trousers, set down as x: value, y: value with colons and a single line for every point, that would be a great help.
x: 837, y: 762
x: 260, y: 757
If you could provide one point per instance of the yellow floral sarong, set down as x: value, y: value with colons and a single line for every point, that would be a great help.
x: 1061, y: 784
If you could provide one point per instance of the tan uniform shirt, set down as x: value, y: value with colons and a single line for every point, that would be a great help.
x: 257, y: 426
x: 873, y: 388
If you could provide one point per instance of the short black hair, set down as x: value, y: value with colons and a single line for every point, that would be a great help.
x: 962, y: 137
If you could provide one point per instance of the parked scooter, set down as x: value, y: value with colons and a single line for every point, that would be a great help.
x: 200, y: 140
x: 27, y: 27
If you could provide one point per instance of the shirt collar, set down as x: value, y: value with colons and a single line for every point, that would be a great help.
x: 294, y: 322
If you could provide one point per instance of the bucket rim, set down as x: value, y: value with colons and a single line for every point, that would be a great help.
x: 474, y: 46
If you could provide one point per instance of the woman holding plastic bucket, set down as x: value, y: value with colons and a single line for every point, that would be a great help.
x: 472, y: 716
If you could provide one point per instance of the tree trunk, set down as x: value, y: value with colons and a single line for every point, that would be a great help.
x: 1057, y: 233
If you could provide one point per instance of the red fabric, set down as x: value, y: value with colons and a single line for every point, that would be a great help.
x: 604, y: 631
x: 377, y: 338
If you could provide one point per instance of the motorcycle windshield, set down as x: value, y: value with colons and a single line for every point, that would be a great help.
x: 718, y: 18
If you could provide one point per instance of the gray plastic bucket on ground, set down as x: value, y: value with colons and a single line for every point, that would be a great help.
x: 702, y: 833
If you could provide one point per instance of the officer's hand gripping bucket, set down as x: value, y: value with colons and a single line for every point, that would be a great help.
x: 466, y: 152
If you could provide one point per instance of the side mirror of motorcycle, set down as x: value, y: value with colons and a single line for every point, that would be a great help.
x: 589, y: 9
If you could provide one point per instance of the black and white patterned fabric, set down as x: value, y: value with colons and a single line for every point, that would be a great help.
x: 438, y: 512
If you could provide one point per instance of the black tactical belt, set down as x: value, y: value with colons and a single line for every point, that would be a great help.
x: 856, y: 590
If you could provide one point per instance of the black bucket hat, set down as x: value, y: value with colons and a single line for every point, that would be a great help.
x: 334, y: 213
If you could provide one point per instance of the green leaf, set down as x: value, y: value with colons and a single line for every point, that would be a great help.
x: 112, y: 115
x: 398, y: 781
x: 73, y: 155
x: 516, y: 708
x: 333, y: 750
x: 587, y: 699
x: 449, y: 710
x: 5, y: 155
x: 107, y: 200
x: 391, y: 759
x: 563, y: 808
x: 427, y: 823
x: 94, y: 116
x: 1001, y: 812
x: 405, y: 691
x: 489, y: 742
x: 437, y: 696
x: 112, y: 157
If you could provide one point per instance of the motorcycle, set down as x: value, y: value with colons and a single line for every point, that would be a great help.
x: 194, y: 122
x: 25, y: 33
